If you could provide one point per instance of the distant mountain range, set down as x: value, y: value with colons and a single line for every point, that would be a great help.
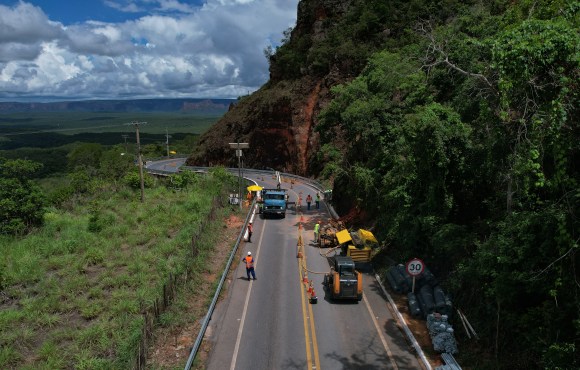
x: 138, y: 105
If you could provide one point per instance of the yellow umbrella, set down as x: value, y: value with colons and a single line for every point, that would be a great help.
x: 254, y: 188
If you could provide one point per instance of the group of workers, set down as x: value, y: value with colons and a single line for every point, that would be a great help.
x: 249, y: 259
x: 308, y: 201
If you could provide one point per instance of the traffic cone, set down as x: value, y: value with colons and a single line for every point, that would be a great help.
x: 313, y: 297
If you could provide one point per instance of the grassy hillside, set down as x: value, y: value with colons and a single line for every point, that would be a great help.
x: 73, y: 293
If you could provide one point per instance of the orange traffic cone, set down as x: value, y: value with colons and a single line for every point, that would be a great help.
x: 313, y: 297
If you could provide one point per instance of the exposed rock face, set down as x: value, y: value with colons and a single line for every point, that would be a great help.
x: 278, y: 120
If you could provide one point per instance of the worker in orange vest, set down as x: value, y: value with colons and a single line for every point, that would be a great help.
x: 250, y: 232
x: 249, y: 260
x: 308, y: 201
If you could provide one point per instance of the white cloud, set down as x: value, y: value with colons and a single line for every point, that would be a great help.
x: 127, y: 8
x: 214, y: 50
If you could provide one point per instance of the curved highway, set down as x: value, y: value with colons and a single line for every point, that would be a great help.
x: 270, y: 324
x: 165, y: 165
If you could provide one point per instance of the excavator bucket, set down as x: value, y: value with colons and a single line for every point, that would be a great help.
x: 368, y: 238
x: 343, y: 236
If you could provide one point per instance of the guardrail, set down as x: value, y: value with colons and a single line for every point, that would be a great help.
x: 207, y: 318
x: 315, y: 184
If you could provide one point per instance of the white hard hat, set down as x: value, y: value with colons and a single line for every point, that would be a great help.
x: 249, y: 253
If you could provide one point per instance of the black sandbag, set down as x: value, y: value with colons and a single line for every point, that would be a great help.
x: 408, y: 279
x: 448, y: 306
x: 414, y: 306
x: 426, y: 299
x: 426, y: 278
x: 400, y: 279
x: 392, y: 281
x: 439, y: 297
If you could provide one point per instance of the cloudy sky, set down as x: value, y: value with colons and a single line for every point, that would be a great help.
x: 120, y: 49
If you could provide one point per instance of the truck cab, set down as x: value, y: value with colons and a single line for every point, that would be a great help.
x: 344, y: 281
x: 274, y: 202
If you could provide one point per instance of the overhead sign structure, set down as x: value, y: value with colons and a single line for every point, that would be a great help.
x: 415, y: 267
x: 238, y: 147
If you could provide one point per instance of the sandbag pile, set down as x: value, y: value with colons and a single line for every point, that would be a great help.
x: 428, y: 301
x: 428, y: 297
x: 441, y: 333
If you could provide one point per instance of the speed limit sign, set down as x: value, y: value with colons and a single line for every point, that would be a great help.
x: 415, y: 267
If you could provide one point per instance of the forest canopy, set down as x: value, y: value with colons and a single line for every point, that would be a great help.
x: 461, y: 138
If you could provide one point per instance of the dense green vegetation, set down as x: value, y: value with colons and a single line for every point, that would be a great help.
x: 21, y: 200
x: 461, y: 140
x: 71, y: 123
x: 74, y: 290
x: 48, y: 138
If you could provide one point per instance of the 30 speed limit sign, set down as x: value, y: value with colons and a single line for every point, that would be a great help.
x: 415, y: 267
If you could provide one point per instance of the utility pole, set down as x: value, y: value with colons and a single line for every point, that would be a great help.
x: 238, y: 147
x: 140, y: 159
x: 125, y: 137
x: 167, y: 141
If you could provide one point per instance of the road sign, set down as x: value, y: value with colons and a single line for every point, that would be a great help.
x: 415, y: 267
x: 239, y: 145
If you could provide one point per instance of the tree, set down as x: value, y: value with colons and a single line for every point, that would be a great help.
x: 115, y: 164
x: 21, y: 200
x: 86, y: 156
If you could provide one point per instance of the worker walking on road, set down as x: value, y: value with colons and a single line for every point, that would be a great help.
x: 250, y: 232
x: 318, y: 200
x: 316, y: 231
x: 249, y: 260
x: 308, y: 201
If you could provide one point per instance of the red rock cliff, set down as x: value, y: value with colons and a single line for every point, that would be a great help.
x: 278, y: 120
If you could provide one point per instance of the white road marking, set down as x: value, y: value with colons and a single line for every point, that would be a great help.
x: 244, y: 311
x: 389, y: 353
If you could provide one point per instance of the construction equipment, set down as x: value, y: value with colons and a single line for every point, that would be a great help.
x: 327, y: 238
x: 343, y: 281
x: 357, y: 245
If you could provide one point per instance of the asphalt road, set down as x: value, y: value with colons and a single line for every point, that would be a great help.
x: 270, y: 324
x: 165, y: 165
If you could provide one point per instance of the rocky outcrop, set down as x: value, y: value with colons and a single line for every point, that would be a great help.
x: 279, y: 120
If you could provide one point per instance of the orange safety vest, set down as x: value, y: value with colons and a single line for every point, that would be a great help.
x: 249, y: 262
